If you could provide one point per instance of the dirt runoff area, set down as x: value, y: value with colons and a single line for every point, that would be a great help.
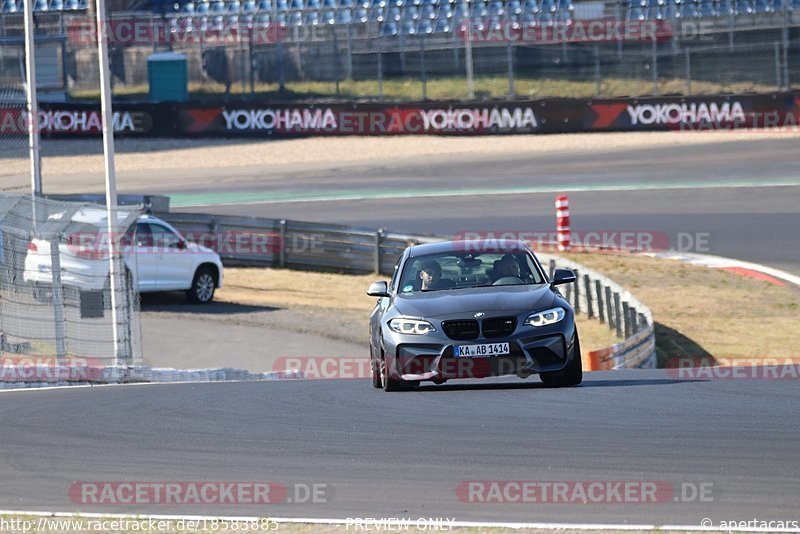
x: 702, y: 312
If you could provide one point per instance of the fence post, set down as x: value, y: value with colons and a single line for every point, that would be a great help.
x: 785, y: 36
x: 282, y: 237
x: 626, y: 316
x: 378, y: 239
x: 634, y: 322
x: 778, y: 65
x: 552, y: 268
x: 58, y: 301
x: 618, y: 315
x: 380, y: 75
x: 577, y: 305
x: 349, y: 53
x: 655, y: 67
x: 510, y: 58
x: 609, y: 309
x: 688, y: 61
x: 597, y: 79
x: 598, y: 288
x: 568, y: 292
x: 468, y: 54
x: 424, y: 71
x: 587, y: 286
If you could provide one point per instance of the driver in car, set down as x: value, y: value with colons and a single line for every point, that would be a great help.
x: 506, y: 266
x: 431, y: 275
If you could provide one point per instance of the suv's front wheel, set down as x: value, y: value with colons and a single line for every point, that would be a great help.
x: 203, y: 286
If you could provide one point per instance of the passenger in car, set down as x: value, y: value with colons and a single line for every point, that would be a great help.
x: 431, y: 275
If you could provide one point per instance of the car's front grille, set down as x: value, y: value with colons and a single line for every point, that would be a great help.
x: 465, y: 329
x: 499, y: 326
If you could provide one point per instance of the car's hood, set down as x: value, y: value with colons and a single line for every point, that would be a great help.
x: 512, y: 299
x: 199, y: 249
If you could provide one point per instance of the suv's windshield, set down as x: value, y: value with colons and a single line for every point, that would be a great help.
x: 455, y: 270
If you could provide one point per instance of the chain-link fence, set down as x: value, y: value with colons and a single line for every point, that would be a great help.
x: 428, y: 49
x: 55, y: 291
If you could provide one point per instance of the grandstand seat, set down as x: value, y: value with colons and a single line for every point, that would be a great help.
x: 393, y: 13
x: 328, y: 16
x: 312, y: 18
x: 409, y: 28
x: 761, y: 6
x: 202, y: 8
x: 217, y: 7
x: 249, y: 6
x: 264, y: 5
x: 724, y: 8
x: 344, y: 16
x: 530, y: 6
x: 428, y: 12
x: 187, y: 8
x: 411, y: 13
x: 263, y: 19
x: 547, y: 5
x: 378, y: 3
x: 743, y: 7
x: 670, y: 10
x: 514, y: 7
x: 71, y: 5
x: 635, y: 12
x: 778, y: 6
x: 83, y: 4
x: 296, y: 18
x: 441, y: 25
x: 425, y: 27
x: 707, y: 8
x: 389, y: 28
x: 496, y: 8
x: 9, y: 6
x: 233, y: 6
x: 40, y: 5
x: 564, y: 16
x: 445, y: 11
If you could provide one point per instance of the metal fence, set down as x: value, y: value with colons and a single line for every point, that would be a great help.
x: 432, y: 49
x: 253, y: 241
x: 55, y: 297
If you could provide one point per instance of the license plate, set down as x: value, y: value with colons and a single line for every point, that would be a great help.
x: 481, y: 351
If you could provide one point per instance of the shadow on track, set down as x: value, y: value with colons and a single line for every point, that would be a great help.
x: 428, y: 387
x: 175, y: 302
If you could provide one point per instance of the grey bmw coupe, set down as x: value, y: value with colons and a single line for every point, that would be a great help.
x: 471, y: 309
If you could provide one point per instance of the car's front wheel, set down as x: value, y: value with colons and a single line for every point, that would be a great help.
x: 388, y: 383
x: 203, y: 286
x: 375, y: 370
x: 571, y: 375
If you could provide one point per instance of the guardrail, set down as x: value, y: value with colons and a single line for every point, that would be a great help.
x: 255, y: 241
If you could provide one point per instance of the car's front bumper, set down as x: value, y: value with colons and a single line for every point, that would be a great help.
x: 411, y: 358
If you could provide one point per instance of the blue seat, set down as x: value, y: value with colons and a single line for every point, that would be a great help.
x: 531, y: 6
x: 361, y: 15
x: 328, y: 16
x: 393, y: 13
x: 329, y: 4
x: 217, y: 7
x: 761, y: 6
x: 514, y: 7
x: 40, y: 5
x: 83, y: 4
x: 312, y: 18
x: 344, y: 16
x: 347, y: 3
x: 425, y: 27
x: 724, y: 8
x: 496, y: 9
x: 564, y: 16
x: 409, y: 28
x: 707, y: 8
x: 743, y: 7
x: 389, y: 28
x: 670, y: 10
x: 635, y: 12
x: 442, y: 26
x: 377, y: 14
x: 427, y: 12
x: 547, y: 6
x: 56, y: 5
x: 233, y: 6
x: 281, y: 5
x: 445, y: 11
x: 71, y: 5
x: 202, y: 8
x: 411, y: 13
x: 249, y: 6
x: 265, y: 5
x: 187, y: 8
x: 295, y: 18
x: 9, y: 6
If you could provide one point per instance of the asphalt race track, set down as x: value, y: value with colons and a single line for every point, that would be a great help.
x: 404, y: 455
x: 729, y: 193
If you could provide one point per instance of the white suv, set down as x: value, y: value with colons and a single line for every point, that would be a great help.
x: 156, y: 255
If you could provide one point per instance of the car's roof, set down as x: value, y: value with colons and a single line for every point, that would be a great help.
x: 474, y: 246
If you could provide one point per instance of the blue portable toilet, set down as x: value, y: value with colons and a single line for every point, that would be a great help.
x: 168, y: 74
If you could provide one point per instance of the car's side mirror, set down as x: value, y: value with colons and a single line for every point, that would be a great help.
x: 562, y: 276
x: 180, y: 245
x: 378, y: 289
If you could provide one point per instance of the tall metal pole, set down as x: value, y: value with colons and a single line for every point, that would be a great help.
x: 111, y: 178
x: 33, y: 105
x: 468, y: 53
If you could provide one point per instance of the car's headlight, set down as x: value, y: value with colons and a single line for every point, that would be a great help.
x: 546, y: 317
x: 416, y: 327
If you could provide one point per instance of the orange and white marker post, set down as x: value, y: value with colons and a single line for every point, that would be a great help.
x: 562, y: 222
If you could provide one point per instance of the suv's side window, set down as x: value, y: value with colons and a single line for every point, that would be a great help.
x: 144, y: 236
x: 163, y: 237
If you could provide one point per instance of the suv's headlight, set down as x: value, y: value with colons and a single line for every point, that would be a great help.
x: 416, y: 327
x: 546, y: 317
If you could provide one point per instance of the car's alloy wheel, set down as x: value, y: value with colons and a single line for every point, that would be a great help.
x: 571, y: 375
x: 203, y: 285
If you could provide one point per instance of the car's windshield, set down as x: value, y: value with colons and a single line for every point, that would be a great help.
x: 456, y: 270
